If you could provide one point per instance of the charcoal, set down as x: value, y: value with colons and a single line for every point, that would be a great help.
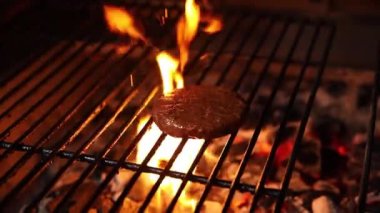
x: 331, y: 169
x: 364, y: 96
x: 328, y: 128
x: 336, y: 88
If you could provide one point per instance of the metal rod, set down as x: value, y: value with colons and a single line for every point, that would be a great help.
x: 203, y: 148
x: 169, y: 164
x: 41, y: 83
x: 134, y: 178
x: 186, y: 178
x: 104, y: 152
x: 226, y: 40
x: 42, y: 164
x: 45, y: 79
x: 116, y: 168
x: 370, y: 141
x: 90, y: 158
x: 276, y: 143
x: 43, y: 117
x: 226, y: 148
x: 264, y: 114
x: 90, y: 92
x: 138, y: 137
x: 305, y: 118
x: 137, y: 174
x: 224, y: 73
x: 237, y: 52
x: 82, y: 102
x: 86, y: 144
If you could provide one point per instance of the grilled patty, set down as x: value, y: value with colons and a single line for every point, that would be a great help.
x: 198, y: 112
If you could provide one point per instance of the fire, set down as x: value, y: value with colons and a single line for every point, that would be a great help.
x: 171, y: 78
x: 122, y: 22
x: 213, y: 24
x: 169, y: 186
x: 187, y: 29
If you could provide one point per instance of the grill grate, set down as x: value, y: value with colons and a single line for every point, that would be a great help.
x: 83, y: 78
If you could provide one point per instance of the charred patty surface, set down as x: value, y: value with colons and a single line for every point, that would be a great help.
x: 198, y: 112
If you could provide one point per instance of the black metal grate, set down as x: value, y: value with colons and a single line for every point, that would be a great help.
x: 48, y: 107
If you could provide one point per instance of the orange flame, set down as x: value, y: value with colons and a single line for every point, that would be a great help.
x: 122, y: 22
x: 171, y: 78
x: 163, y: 154
x: 213, y: 24
x: 187, y: 29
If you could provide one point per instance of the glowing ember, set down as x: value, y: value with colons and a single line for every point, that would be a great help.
x: 122, y: 22
x: 171, y: 78
x: 187, y: 29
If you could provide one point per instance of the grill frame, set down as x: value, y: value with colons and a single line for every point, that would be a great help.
x: 211, y: 181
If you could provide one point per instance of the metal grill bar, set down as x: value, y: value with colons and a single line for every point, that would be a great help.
x: 161, y: 178
x: 37, y: 169
x: 36, y: 72
x: 43, y: 164
x: 371, y: 140
x: 42, y: 118
x: 104, y: 151
x: 65, y: 118
x: 183, y: 142
x: 89, y: 158
x: 204, y: 146
x: 301, y: 130
x: 136, y: 175
x: 95, y: 160
x: 237, y: 52
x: 257, y: 131
x: 276, y: 143
x: 224, y: 73
x: 138, y: 137
x: 47, y: 95
x: 224, y: 153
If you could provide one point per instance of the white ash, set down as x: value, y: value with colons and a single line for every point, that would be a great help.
x: 295, y: 204
x: 323, y: 204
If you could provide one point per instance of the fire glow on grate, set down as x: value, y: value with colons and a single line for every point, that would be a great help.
x: 120, y: 21
x: 74, y: 134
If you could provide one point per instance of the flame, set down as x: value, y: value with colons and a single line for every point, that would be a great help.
x: 169, y: 186
x: 213, y: 24
x: 122, y: 22
x: 187, y: 29
x: 171, y: 78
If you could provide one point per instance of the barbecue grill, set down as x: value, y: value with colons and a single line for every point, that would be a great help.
x: 72, y: 98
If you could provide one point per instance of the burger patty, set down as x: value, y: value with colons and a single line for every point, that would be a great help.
x: 198, y: 112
